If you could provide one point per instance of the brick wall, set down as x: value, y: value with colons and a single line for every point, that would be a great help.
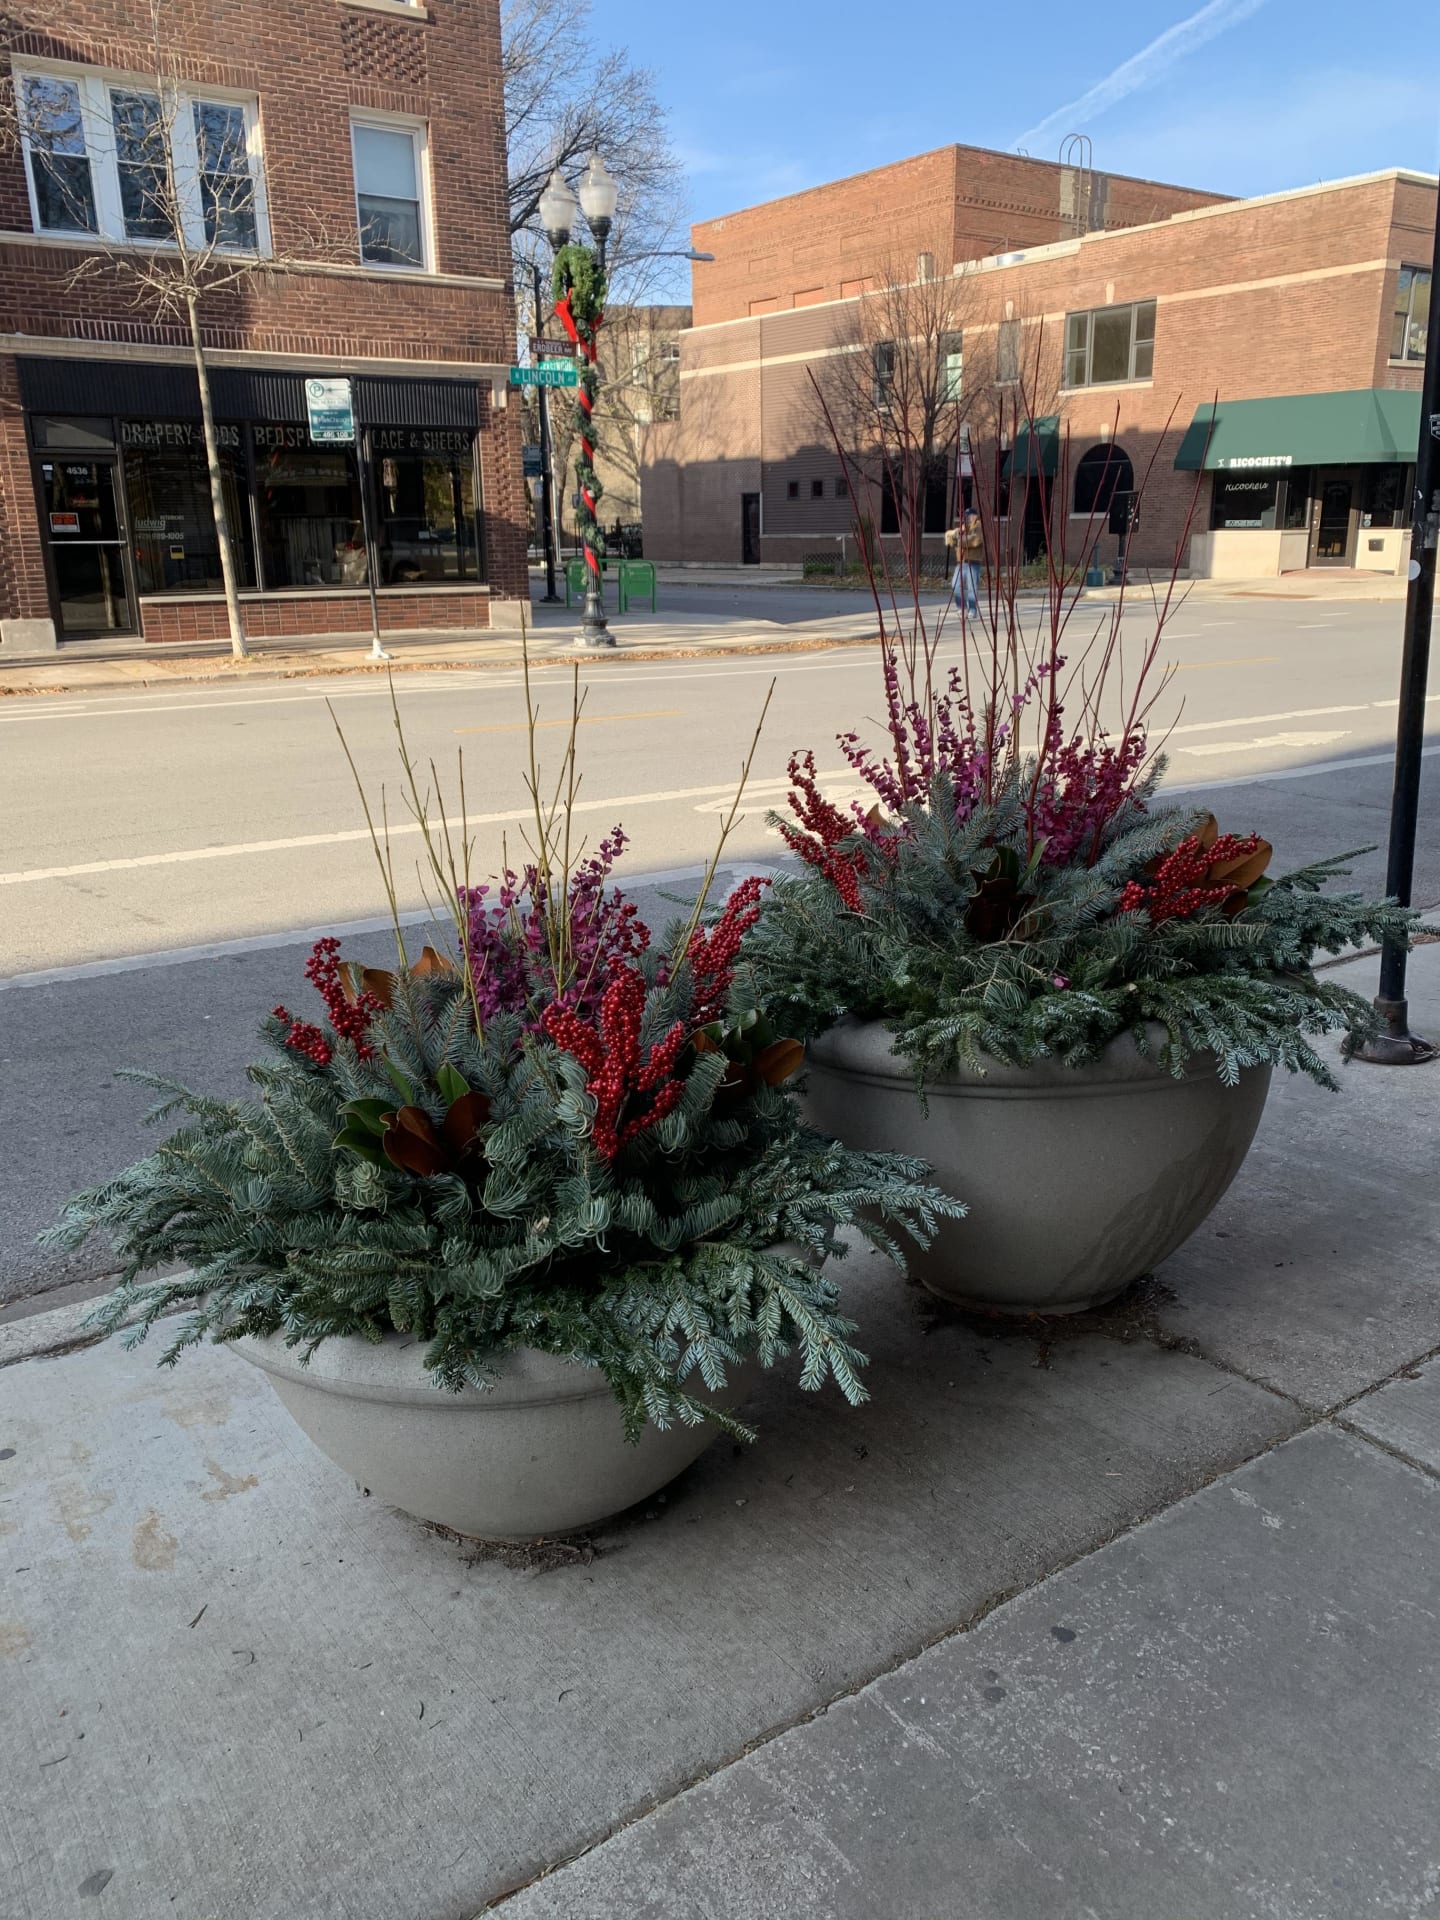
x: 309, y: 62
x: 1290, y: 294
x: 284, y: 616
x: 957, y: 203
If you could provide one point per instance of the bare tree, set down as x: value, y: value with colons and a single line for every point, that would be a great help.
x: 639, y: 388
x: 566, y: 98
x: 194, y: 210
x: 897, y: 395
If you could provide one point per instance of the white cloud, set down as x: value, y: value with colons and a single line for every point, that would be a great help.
x: 1142, y: 69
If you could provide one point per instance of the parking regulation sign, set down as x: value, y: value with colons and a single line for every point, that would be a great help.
x: 331, y: 408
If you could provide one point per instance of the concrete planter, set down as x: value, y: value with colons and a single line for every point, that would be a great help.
x: 541, y: 1452
x: 1078, y: 1180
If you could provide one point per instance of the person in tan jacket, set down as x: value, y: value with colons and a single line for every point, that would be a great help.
x: 968, y: 540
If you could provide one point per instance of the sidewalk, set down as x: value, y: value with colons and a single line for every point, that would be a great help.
x: 1133, y: 1619
x: 86, y: 667
x: 89, y: 666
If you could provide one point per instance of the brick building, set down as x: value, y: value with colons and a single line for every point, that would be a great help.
x: 1301, y: 314
x: 361, y: 147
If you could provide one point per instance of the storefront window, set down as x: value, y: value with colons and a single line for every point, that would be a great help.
x: 1244, y: 503
x: 425, y: 480
x: 1297, y: 499
x: 1386, y: 498
x: 311, y: 526
x: 172, y: 521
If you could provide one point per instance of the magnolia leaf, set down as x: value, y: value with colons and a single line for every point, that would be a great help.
x: 1208, y: 832
x: 776, y: 1063
x: 397, y: 1080
x: 371, y: 1116
x: 412, y: 1143
x: 461, y: 1129
x: 453, y: 1085
x: 432, y: 965
x: 1245, y: 869
x: 353, y: 1139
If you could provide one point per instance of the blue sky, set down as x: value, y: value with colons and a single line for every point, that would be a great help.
x: 1241, y: 96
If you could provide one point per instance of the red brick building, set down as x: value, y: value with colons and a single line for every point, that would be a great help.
x: 1303, y: 313
x: 360, y: 145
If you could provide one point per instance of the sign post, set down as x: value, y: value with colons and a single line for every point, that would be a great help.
x: 330, y: 407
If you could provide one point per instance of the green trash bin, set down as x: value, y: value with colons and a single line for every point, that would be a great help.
x: 638, y: 577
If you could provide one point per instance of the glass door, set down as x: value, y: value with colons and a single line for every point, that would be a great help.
x: 82, y: 529
x: 1332, y: 538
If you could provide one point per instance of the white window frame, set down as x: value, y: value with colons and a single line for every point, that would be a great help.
x: 1088, y: 315
x: 419, y: 132
x: 95, y: 87
x: 1405, y: 358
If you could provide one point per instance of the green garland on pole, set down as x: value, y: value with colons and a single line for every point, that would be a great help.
x: 579, y: 289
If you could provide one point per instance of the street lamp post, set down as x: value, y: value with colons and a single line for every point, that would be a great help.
x: 580, y: 306
x: 547, y: 473
x: 1397, y: 1046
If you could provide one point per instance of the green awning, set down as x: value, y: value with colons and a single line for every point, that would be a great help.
x: 1034, y: 453
x: 1368, y: 426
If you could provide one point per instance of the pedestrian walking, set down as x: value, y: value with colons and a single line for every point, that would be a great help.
x: 968, y: 540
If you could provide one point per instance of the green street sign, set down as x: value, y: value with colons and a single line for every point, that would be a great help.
x: 549, y: 373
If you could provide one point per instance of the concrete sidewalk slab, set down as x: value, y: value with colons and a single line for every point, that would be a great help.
x: 1317, y: 1274
x: 245, y: 1690
x: 1404, y: 1415
x: 1228, y: 1715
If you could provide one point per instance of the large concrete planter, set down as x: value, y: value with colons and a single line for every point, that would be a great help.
x: 541, y: 1452
x: 1078, y: 1180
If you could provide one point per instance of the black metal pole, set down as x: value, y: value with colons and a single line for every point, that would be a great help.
x: 547, y: 480
x: 1397, y: 1046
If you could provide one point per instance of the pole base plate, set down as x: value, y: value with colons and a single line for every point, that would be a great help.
x: 1394, y: 1050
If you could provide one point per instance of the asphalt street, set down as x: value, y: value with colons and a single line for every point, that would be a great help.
x: 171, y: 854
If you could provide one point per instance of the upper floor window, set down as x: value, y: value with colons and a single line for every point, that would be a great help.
x: 1412, y: 314
x: 390, y: 199
x: 1109, y: 344
x: 126, y: 161
x: 882, y: 367
x: 1007, y: 354
x: 952, y: 365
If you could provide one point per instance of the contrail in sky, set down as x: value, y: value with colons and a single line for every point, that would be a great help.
x: 1142, y: 69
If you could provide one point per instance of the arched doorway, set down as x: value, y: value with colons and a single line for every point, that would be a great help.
x: 1101, y: 474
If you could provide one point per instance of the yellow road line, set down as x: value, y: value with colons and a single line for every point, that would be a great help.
x: 586, y: 720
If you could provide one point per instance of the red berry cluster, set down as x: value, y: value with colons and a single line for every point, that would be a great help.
x: 1182, y: 883
x: 824, y: 827
x: 616, y: 1078
x: 305, y: 1039
x: 713, y: 952
x: 350, y: 1015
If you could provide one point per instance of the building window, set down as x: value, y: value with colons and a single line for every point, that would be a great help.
x: 389, y: 194
x: 882, y: 366
x: 817, y: 489
x: 308, y: 499
x: 792, y: 489
x: 227, y: 189
x: 1100, y: 474
x: 61, y: 181
x: 130, y: 164
x: 172, y: 520
x: 1244, y: 503
x: 1412, y: 314
x: 842, y: 489
x: 952, y: 366
x: 427, y: 532
x: 1110, y: 344
x: 1295, y: 515
x: 1387, y: 496
x: 1007, y: 354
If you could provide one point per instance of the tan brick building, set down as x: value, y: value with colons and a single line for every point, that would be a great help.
x: 1302, y: 314
x: 284, y: 124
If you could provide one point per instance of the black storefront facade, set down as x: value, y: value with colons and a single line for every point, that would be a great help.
x: 124, y: 512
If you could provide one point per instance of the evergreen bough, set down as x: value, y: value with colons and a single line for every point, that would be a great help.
x: 700, y: 1243
x: 1068, y: 970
